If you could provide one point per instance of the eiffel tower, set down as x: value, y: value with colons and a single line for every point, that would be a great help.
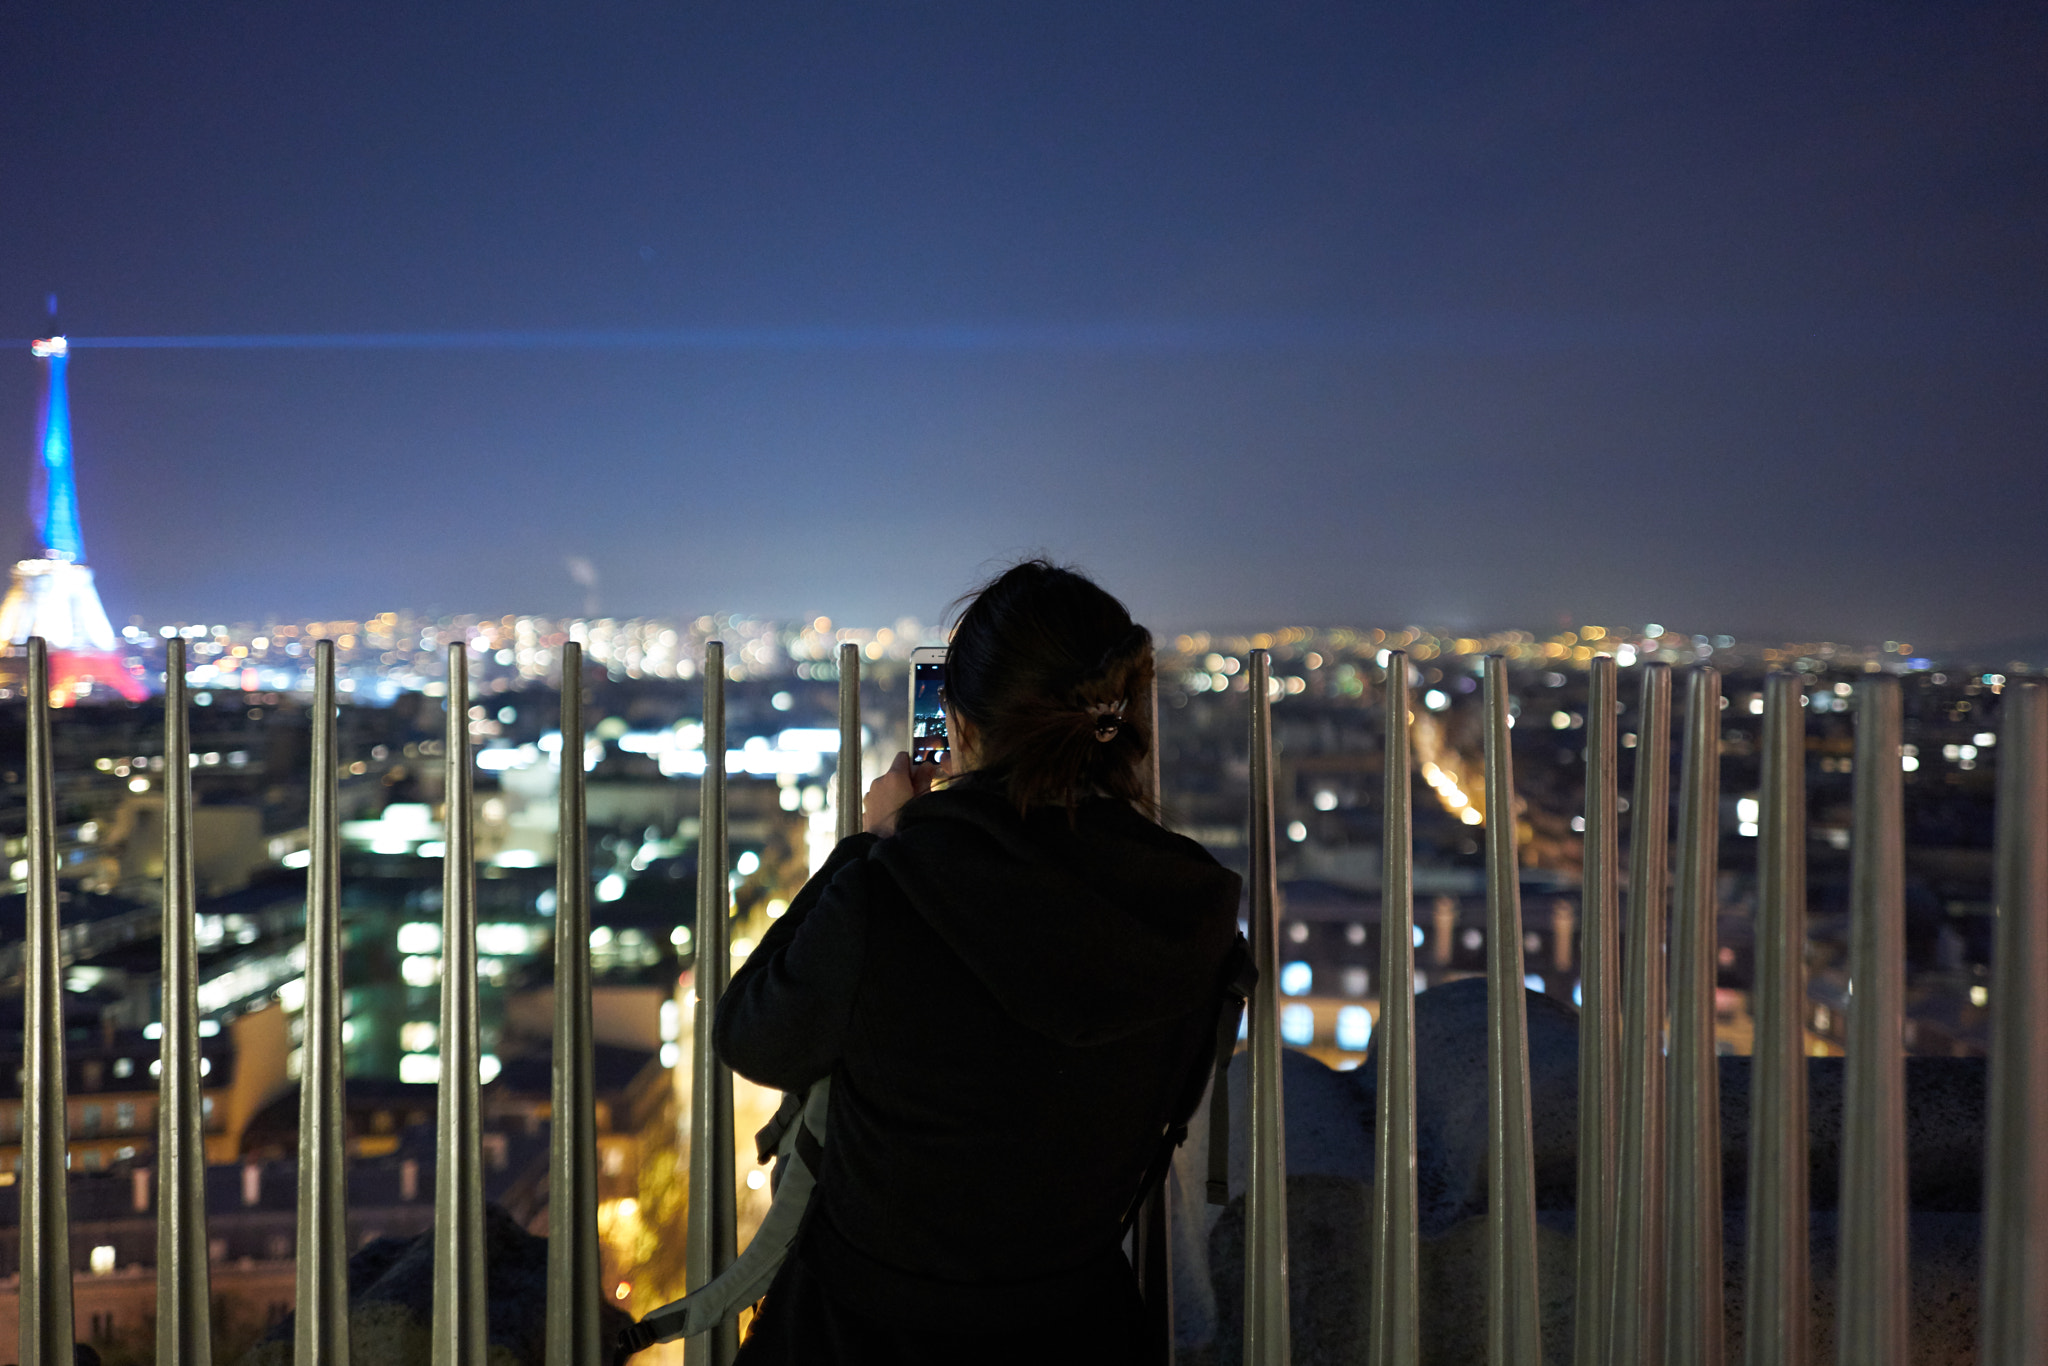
x: 52, y: 596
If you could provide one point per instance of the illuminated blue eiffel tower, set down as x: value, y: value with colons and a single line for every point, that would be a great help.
x: 53, y: 595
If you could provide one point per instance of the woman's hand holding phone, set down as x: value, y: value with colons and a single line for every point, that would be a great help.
x: 887, y: 793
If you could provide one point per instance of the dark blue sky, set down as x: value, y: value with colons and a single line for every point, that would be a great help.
x: 1726, y: 316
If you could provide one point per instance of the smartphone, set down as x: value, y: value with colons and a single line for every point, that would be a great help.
x: 927, y: 705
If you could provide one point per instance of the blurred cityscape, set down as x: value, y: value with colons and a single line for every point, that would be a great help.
x: 644, y: 753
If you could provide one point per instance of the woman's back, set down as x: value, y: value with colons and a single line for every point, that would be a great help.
x: 1032, y: 1000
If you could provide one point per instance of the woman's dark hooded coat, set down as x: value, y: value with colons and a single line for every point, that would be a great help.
x: 1007, y: 1006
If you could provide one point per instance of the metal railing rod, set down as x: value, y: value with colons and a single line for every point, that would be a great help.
x: 459, y: 1291
x: 45, y: 1285
x: 1599, y: 1019
x: 1636, y: 1283
x: 183, y: 1289
x: 1694, y: 1303
x: 714, y: 1198
x: 575, y: 1267
x: 1396, y: 1278
x: 1266, y: 1329
x: 1513, y: 1325
x: 1870, y: 1313
x: 1776, y: 1317
x: 846, y: 778
x: 2014, y: 1329
x: 320, y: 1334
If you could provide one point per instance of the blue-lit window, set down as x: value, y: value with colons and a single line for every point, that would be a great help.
x: 1533, y: 981
x: 1354, y: 1028
x: 1295, y: 979
x: 1297, y: 1026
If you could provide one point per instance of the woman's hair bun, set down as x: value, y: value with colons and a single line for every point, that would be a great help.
x: 1052, y: 671
x: 1121, y: 650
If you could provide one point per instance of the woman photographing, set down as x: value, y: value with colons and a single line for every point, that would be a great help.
x: 1008, y: 979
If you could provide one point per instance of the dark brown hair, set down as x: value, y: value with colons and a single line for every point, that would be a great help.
x: 1055, y: 677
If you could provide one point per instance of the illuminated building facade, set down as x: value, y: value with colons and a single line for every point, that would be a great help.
x: 53, y: 596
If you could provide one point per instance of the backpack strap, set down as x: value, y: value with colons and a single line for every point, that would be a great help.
x: 1209, y: 1074
x: 1155, y: 1171
x: 769, y: 1138
x: 801, y: 1155
x: 1241, y: 974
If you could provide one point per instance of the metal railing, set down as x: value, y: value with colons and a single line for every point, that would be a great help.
x: 1600, y: 1017
x: 1649, y: 1215
x: 1649, y: 1267
x: 714, y: 1223
x: 1396, y: 1221
x: 182, y: 1323
x: 1775, y: 1327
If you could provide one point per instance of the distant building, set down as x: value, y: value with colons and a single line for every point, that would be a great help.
x: 111, y: 1091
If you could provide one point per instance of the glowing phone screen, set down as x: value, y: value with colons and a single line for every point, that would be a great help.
x: 928, y: 715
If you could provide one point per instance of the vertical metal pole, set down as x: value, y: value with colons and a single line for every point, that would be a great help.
x: 714, y: 1199
x: 459, y: 1292
x: 1694, y: 1331
x: 45, y: 1288
x: 1636, y: 1283
x: 183, y: 1290
x: 1776, y: 1329
x: 1396, y: 1304
x: 1152, y: 1235
x: 574, y: 1264
x: 846, y: 779
x: 1266, y: 1329
x: 1513, y: 1328
x: 320, y: 1327
x: 2015, y: 1322
x: 1599, y: 1020
x: 1870, y: 1316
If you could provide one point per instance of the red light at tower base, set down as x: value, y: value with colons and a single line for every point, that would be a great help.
x: 76, y: 674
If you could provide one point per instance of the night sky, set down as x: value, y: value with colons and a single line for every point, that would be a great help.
x: 1732, y: 317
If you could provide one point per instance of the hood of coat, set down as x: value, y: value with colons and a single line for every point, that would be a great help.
x: 1086, y: 930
